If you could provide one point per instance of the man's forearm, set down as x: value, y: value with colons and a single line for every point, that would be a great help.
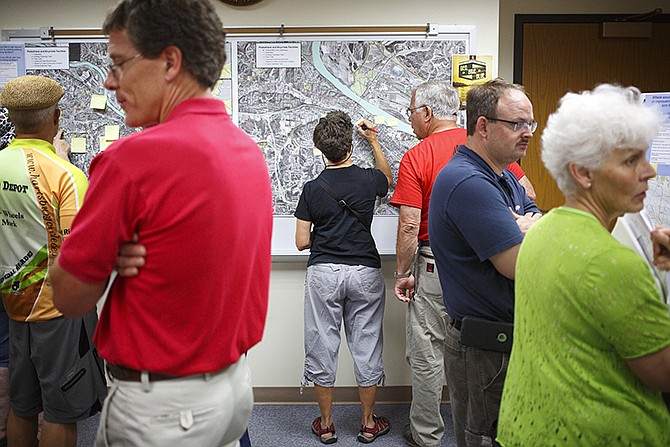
x: 405, y: 248
x: 405, y: 251
x: 408, y: 237
x: 71, y: 296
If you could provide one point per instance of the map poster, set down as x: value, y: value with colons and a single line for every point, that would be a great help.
x: 657, y: 202
x: 372, y: 79
x: 279, y: 103
x: 83, y: 81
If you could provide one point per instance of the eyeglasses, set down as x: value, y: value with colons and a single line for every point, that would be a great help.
x: 518, y: 126
x: 115, y: 67
x: 410, y: 110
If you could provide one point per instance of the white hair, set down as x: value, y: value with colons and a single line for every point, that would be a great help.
x: 440, y: 96
x: 588, y: 126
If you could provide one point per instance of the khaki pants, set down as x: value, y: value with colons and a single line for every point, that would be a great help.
x: 426, y: 326
x: 194, y: 411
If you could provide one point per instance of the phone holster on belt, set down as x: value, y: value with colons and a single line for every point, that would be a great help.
x: 485, y: 334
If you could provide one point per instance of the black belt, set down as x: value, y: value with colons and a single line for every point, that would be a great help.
x: 132, y: 375
x: 424, y: 243
x: 455, y: 323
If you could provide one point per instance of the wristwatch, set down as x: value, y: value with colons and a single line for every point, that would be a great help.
x: 397, y: 275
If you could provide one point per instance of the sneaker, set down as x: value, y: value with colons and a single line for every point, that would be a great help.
x: 407, y: 436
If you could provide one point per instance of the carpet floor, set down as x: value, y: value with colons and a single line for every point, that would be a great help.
x: 274, y: 425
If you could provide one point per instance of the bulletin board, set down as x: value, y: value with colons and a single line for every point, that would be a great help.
x: 277, y: 83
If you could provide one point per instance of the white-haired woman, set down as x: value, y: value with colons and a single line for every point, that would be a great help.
x: 591, y: 350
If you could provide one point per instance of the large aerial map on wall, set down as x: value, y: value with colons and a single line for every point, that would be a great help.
x: 81, y: 118
x: 82, y: 82
x: 279, y: 106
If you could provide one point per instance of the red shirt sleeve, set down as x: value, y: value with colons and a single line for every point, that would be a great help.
x: 516, y: 170
x: 102, y: 225
x: 408, y: 189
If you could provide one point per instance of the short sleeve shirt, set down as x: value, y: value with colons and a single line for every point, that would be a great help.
x: 469, y: 222
x: 418, y: 169
x: 339, y: 236
x: 584, y: 304
x: 40, y: 194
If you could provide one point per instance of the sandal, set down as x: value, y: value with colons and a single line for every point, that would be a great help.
x: 319, y: 431
x: 382, y: 426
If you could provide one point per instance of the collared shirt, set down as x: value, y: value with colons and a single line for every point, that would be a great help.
x: 196, y: 190
x: 469, y: 222
x: 418, y: 169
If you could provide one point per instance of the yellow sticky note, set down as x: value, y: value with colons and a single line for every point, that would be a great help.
x: 317, y: 152
x: 392, y: 122
x: 379, y: 119
x: 104, y: 144
x: 98, y: 102
x: 78, y: 145
x: 226, y: 73
x: 111, y: 133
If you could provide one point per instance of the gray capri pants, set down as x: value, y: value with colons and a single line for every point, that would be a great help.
x: 355, y: 294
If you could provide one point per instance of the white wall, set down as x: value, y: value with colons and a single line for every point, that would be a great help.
x: 278, y: 359
x: 508, y: 8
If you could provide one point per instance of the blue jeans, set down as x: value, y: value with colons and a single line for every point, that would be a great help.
x: 475, y: 379
x: 245, y: 441
x: 4, y: 372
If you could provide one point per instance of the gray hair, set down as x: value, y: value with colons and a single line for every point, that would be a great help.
x: 440, y: 96
x: 589, y: 126
x: 31, y: 121
x: 191, y: 25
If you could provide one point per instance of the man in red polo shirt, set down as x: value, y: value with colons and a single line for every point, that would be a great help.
x: 188, y: 188
x: 432, y: 113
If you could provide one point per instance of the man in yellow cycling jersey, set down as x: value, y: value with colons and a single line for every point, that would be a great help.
x: 53, y: 365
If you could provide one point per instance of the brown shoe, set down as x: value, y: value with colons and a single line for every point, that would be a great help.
x: 407, y: 436
x: 368, y: 435
x: 320, y: 431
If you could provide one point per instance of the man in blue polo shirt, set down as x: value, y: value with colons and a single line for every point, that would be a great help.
x: 478, y: 216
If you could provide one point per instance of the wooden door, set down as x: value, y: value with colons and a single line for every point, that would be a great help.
x: 562, y: 57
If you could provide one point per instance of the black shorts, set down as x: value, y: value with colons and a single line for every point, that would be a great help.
x: 55, y: 368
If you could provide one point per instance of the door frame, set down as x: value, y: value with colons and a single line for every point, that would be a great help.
x: 521, y: 19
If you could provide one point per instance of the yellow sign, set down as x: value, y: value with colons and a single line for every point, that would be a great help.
x: 104, y: 144
x: 469, y: 70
